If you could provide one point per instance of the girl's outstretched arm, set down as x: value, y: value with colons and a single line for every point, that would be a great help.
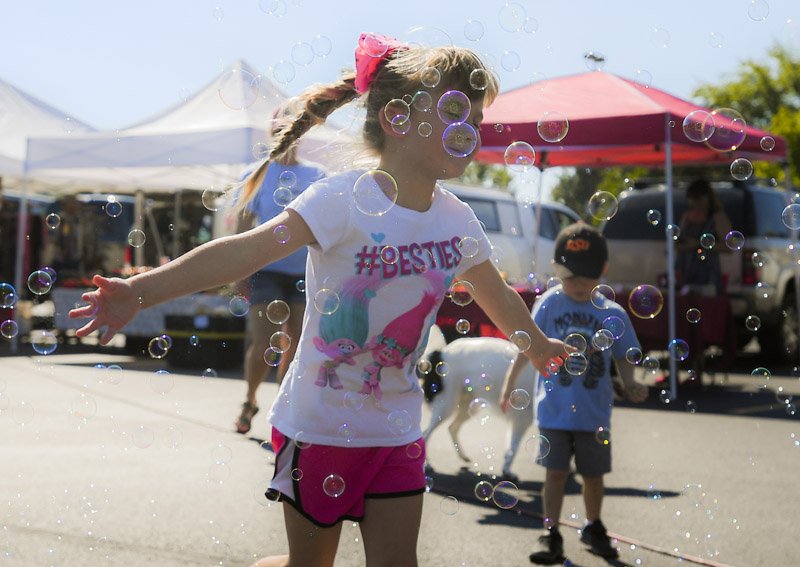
x: 116, y: 301
x: 508, y: 311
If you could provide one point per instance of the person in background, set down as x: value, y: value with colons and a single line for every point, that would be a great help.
x: 385, y: 245
x: 266, y: 192
x: 573, y: 409
x: 703, y: 226
x: 62, y: 250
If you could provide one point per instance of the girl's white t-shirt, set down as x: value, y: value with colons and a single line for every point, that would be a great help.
x: 374, y: 283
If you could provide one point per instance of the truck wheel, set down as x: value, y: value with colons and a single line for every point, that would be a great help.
x: 781, y: 341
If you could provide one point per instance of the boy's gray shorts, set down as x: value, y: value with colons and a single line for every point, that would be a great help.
x: 592, y: 457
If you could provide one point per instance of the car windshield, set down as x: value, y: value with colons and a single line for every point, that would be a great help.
x: 768, y: 208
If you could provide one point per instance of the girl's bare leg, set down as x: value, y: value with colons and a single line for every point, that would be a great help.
x: 390, y: 529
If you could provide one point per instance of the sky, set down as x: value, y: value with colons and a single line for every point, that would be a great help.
x: 112, y: 64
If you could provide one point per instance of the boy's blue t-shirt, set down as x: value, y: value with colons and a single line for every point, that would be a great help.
x: 264, y: 207
x: 582, y: 402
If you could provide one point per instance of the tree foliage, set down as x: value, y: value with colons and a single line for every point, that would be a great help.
x: 486, y: 175
x: 767, y: 94
x: 576, y: 189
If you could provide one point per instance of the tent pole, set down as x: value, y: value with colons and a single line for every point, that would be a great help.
x: 673, y: 364
x: 538, y: 222
x: 138, y: 223
x: 176, y: 224
x: 538, y: 215
x: 22, y: 220
x: 787, y: 179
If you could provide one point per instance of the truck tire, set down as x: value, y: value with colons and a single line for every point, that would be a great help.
x: 781, y: 341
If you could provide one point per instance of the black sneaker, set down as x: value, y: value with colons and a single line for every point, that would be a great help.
x: 595, y: 536
x: 551, y: 549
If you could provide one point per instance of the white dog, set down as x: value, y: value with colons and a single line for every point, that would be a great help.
x: 473, y: 369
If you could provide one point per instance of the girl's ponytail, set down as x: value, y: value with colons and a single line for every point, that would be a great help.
x: 251, y: 185
x: 317, y: 103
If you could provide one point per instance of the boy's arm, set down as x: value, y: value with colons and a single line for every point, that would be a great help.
x: 634, y: 391
x: 509, y: 313
x: 510, y: 380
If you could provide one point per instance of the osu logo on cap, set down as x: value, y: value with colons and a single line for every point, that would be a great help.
x: 578, y: 245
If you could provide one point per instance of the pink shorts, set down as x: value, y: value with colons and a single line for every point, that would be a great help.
x: 329, y: 484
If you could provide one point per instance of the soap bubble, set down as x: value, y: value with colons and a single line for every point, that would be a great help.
x: 519, y: 156
x: 645, y: 301
x: 552, y: 126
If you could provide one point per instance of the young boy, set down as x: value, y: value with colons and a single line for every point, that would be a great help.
x: 573, y: 407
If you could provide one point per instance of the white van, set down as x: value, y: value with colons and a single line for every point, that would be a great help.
x: 510, y: 224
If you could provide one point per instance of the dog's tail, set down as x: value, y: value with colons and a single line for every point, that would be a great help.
x: 431, y: 380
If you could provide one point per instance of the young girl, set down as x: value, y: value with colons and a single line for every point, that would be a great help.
x: 393, y: 237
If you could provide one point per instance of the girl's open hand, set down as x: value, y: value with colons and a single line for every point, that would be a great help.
x: 111, y: 306
x: 549, y: 357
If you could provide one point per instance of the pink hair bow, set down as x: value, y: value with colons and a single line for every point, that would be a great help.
x: 373, y: 49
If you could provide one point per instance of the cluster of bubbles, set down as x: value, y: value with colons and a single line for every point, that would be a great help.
x: 504, y: 494
x: 724, y: 130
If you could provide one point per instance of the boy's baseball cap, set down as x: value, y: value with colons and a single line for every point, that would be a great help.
x: 581, y: 250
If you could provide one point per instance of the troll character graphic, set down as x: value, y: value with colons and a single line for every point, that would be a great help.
x: 342, y: 334
x: 397, y: 341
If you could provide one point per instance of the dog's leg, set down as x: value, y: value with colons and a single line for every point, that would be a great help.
x: 521, y: 420
x: 461, y: 417
x: 438, y: 414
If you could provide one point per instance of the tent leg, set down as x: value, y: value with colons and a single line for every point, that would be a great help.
x: 538, y: 222
x: 22, y: 221
x: 176, y: 224
x: 138, y: 223
x: 673, y: 364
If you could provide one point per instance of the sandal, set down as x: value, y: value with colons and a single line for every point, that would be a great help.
x: 243, y: 424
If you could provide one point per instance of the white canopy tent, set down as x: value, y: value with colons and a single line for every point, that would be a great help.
x: 202, y: 143
x: 23, y: 116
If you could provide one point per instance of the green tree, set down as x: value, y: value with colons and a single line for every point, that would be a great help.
x: 767, y: 94
x: 486, y: 175
x: 575, y: 189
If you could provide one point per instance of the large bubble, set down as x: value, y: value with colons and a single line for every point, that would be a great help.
x: 552, y: 126
x: 519, y: 156
x: 460, y: 139
x: 729, y: 132
x: 375, y: 192
x: 645, y: 301
x: 453, y: 106
x: 602, y: 205
x: 698, y: 125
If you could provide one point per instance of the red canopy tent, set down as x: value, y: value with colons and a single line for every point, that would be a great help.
x: 612, y: 121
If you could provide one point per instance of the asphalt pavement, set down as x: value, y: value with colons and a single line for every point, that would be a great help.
x: 101, y: 466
